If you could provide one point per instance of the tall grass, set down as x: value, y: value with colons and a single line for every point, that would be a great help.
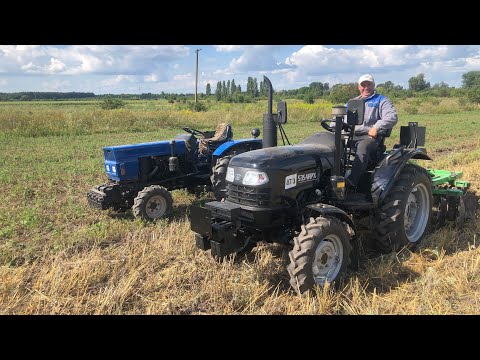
x: 137, y: 116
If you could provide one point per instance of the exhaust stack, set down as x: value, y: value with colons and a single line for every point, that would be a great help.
x: 269, y: 123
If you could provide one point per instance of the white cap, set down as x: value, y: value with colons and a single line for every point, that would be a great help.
x: 366, y: 77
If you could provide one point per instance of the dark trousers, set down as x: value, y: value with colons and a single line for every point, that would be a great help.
x: 366, y: 146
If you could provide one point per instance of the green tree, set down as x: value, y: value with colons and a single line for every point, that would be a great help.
x: 224, y: 90
x: 418, y: 83
x: 233, y: 87
x: 387, y: 86
x: 263, y: 88
x: 316, y: 89
x: 208, y: 90
x: 309, y: 98
x: 473, y: 94
x: 26, y: 97
x: 250, y: 86
x: 471, y: 79
x: 228, y: 88
x: 218, y: 91
x: 341, y: 93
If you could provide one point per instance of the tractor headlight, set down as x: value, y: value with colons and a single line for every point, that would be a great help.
x: 107, y: 167
x: 114, y: 169
x: 230, y: 174
x: 253, y: 178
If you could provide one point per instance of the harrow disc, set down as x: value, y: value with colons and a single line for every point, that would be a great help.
x: 470, y: 203
x: 466, y: 206
x: 439, y: 214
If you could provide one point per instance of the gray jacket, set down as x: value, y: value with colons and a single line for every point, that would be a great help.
x: 379, y: 113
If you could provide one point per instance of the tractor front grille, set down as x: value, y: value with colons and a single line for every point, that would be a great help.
x: 248, y: 195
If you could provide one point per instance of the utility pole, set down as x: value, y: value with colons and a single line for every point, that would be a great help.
x: 196, y: 76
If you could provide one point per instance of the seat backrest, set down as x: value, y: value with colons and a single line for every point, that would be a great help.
x: 223, y: 132
x: 381, y: 145
x: 386, y: 133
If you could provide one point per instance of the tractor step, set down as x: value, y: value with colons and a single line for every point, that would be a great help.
x: 357, y: 201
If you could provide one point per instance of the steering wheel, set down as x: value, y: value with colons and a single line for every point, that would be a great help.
x: 193, y: 131
x: 327, y: 127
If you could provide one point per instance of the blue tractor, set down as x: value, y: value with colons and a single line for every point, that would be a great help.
x: 141, y: 176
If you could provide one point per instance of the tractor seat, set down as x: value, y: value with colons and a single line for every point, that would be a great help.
x: 223, y: 133
x: 377, y: 156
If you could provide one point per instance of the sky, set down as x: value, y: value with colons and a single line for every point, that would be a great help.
x: 136, y: 69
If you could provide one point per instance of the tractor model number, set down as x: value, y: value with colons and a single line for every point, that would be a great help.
x: 307, y: 177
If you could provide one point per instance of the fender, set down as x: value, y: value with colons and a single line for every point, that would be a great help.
x: 230, y: 146
x: 324, y: 209
x: 389, y: 169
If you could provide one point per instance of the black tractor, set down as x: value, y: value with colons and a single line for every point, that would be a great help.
x: 296, y: 195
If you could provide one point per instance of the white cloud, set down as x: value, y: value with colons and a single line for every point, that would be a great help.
x: 56, y: 85
x: 151, y: 78
x: 56, y: 66
x: 115, y: 81
x: 89, y: 59
x: 228, y: 48
x: 345, y: 64
x: 472, y: 63
x: 181, y: 77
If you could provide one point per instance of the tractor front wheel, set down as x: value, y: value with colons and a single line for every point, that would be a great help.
x: 219, y: 173
x: 321, y: 254
x: 403, y: 218
x: 152, y: 203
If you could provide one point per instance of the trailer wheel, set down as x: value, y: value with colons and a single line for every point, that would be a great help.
x: 219, y: 173
x: 403, y: 218
x: 153, y: 202
x: 321, y: 254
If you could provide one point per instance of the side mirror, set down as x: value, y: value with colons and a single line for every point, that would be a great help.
x: 282, y: 112
x: 256, y: 132
x: 355, y: 111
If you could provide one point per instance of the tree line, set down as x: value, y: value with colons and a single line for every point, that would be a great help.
x: 36, y: 95
x: 417, y: 87
x: 229, y: 91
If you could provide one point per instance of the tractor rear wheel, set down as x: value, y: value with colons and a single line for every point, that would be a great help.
x: 152, y: 203
x: 403, y: 218
x: 219, y: 173
x: 321, y: 254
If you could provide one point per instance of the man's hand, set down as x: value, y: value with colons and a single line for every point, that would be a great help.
x: 373, y: 132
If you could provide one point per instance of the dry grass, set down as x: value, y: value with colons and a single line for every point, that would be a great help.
x: 156, y: 269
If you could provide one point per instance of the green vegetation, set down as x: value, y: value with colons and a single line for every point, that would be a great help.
x: 110, y: 104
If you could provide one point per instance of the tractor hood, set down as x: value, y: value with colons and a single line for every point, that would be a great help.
x: 313, y: 151
x: 134, y: 151
x: 122, y: 162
